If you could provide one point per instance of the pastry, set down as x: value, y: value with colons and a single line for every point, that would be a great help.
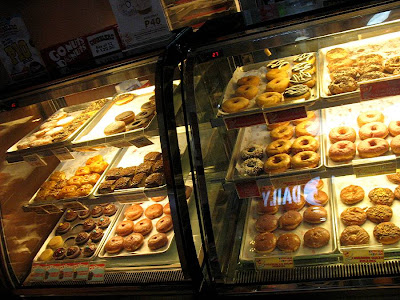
x: 138, y: 180
x: 126, y: 117
x: 373, y: 130
x: 154, y: 211
x: 354, y: 235
x: 73, y: 252
x: 288, y: 242
x: 252, y: 151
x: 133, y: 242
x: 152, y: 156
x: 115, y: 127
x: 81, y: 171
x: 70, y: 215
x: 353, y: 216
x: 89, y: 249
x: 394, y: 178
x: 342, y: 84
x: 133, y: 212
x: 56, y: 242
x: 106, y: 186
x: 265, y: 242
x: 143, y: 226
x: 82, y: 238
x: 63, y: 227
x: 124, y: 228
x: 114, y: 173
x: 114, y: 245
x: 342, y: 133
x: 109, y: 210
x: 96, y: 235
x: 295, y: 92
x: 317, y: 197
x: 97, y: 211
x: 387, y: 233
x: 316, y: 237
x: 315, y: 215
x: 297, y: 203
x: 59, y: 253
x: 167, y: 209
x: 379, y: 213
x: 145, y: 167
x: 290, y: 220
x: 158, y: 166
x: 84, y: 190
x: 154, y: 180
x: 128, y: 171
x: 383, y: 196
x: 157, y: 241
x: 94, y: 159
x: 352, y: 194
x: 89, y: 225
x: 122, y: 183
x: 123, y: 99
x: 46, y: 255
x: 103, y: 222
x: 98, y: 167
x: 164, y: 224
x: 253, y: 166
x: 370, y: 116
x: 342, y: 151
x: 266, y: 223
x: 83, y: 214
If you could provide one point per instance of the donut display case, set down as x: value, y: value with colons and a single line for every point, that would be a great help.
x: 79, y: 235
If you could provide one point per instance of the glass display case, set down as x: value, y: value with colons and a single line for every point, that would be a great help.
x: 87, y: 200
x: 291, y: 133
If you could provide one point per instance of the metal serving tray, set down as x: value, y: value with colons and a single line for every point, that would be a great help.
x: 367, y: 183
x: 346, y: 115
x: 260, y: 135
x: 386, y: 45
x: 144, y: 249
x: 74, y: 110
x: 260, y: 69
x: 247, y: 251
x: 132, y: 156
x: 76, y: 227
x: 93, y: 133
x: 70, y: 166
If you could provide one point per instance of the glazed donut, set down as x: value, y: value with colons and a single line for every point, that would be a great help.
x: 307, y: 128
x: 164, y: 224
x: 302, y: 78
x: 114, y: 245
x: 295, y: 92
x: 276, y: 73
x: 304, y: 67
x: 133, y: 212
x: 154, y: 211
x: 269, y: 99
x: 167, y: 209
x: 305, y: 143
x: 124, y: 228
x: 282, y: 133
x: 235, y: 104
x: 342, y: 151
x: 372, y: 147
x: 373, y: 129
x: 338, y: 64
x: 246, y: 91
x: 318, y: 197
x: 277, y: 164
x: 392, y: 64
x: 275, y: 125
x: 133, y: 242
x: 370, y: 116
x: 249, y: 80
x: 305, y: 159
x: 344, y: 84
x: 252, y: 151
x: 144, y: 227
x: 279, y: 64
x: 278, y: 147
x: 394, y: 128
x: 346, y: 71
x: 395, y: 145
x: 336, y: 54
x: 265, y: 242
x: 311, y: 116
x: 278, y: 85
x: 157, y: 241
x: 253, y: 166
x: 342, y: 133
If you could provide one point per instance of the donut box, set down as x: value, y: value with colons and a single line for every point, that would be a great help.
x: 346, y: 115
x: 95, y: 131
x: 261, y: 136
x: 144, y: 249
x: 386, y: 45
x: 72, y: 119
x: 367, y: 184
x: 260, y: 69
x: 76, y: 227
x: 128, y: 157
x: 69, y: 167
x: 247, y: 251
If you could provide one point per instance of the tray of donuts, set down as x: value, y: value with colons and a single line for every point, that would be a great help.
x: 361, y: 132
x: 368, y: 211
x: 127, y: 114
x: 295, y: 220
x: 77, y: 178
x: 79, y: 235
x: 284, y: 148
x: 342, y: 67
x: 60, y: 128
x: 274, y: 83
x: 134, y: 170
x: 143, y: 228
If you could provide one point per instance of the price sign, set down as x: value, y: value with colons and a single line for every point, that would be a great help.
x: 385, y: 165
x: 128, y: 198
x: 244, y: 121
x: 67, y: 271
x: 51, y: 209
x: 96, y: 272
x: 52, y: 272
x: 141, y: 142
x: 120, y: 144
x: 247, y: 189
x: 292, y: 180
x: 380, y: 88
x: 81, y: 271
x: 286, y: 115
x: 35, y: 160
x: 38, y: 272
x: 274, y: 262
x: 37, y: 209
x: 104, y: 42
x: 63, y: 153
x: 74, y: 205
x: 363, y: 255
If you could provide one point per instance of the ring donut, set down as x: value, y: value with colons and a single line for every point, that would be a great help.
x: 235, y: 104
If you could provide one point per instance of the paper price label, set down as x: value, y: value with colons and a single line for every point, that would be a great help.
x: 63, y: 153
x: 81, y: 271
x: 380, y: 88
x: 379, y: 168
x: 37, y: 209
x: 52, y: 272
x: 274, y: 262
x: 35, y: 160
x: 247, y: 189
x: 358, y: 255
x: 75, y: 205
x: 67, y: 272
x: 120, y: 144
x: 244, y: 121
x: 286, y: 115
x: 96, y: 272
x: 284, y: 181
x: 51, y: 209
x: 123, y: 199
x: 141, y: 142
x: 38, y: 272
